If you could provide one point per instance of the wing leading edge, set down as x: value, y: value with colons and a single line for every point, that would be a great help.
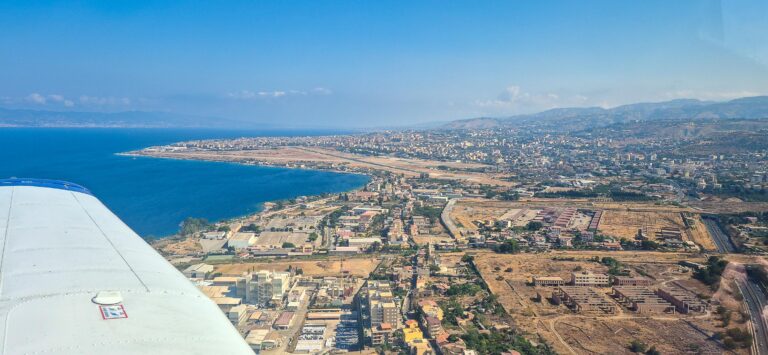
x: 75, y: 279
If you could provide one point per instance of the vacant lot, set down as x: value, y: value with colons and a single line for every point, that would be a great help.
x: 360, y: 267
x: 612, y: 336
x: 625, y: 224
x: 701, y: 235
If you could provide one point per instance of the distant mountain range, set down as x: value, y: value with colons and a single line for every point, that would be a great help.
x: 126, y: 119
x: 560, y: 119
x: 591, y: 117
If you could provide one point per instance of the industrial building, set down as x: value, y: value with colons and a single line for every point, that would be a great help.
x: 198, y: 271
x: 583, y: 299
x: 284, y: 321
x: 237, y: 314
x: 241, y: 240
x: 641, y: 299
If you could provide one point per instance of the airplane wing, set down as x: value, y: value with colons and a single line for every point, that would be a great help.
x: 74, y: 279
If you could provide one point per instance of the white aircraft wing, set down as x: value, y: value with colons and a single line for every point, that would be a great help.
x: 74, y: 279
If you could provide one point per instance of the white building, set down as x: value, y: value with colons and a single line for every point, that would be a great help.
x: 363, y: 243
x: 237, y: 314
x: 242, y: 240
x: 198, y: 271
x: 590, y: 279
x: 265, y: 287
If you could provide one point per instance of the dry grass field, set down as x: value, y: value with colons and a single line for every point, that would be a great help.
x: 701, y: 235
x: 612, y: 336
x: 360, y: 267
x: 186, y: 246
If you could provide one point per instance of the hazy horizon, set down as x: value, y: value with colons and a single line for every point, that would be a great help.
x: 328, y: 64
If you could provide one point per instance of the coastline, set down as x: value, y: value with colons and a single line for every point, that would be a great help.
x: 135, y: 154
x: 261, y: 206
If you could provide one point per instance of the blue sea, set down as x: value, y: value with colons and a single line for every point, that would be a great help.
x: 154, y: 195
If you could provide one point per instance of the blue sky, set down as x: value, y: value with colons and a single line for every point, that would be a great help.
x: 376, y: 63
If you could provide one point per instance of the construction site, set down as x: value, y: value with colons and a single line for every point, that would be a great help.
x: 583, y: 300
x: 656, y: 301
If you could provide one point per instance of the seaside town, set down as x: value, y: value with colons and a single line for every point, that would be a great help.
x: 496, y: 241
x: 371, y: 177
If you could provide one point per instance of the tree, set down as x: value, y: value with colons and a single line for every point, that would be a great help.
x: 649, y: 245
x: 508, y: 247
x: 288, y: 245
x: 637, y: 346
x: 653, y: 351
x: 710, y: 275
x: 313, y: 236
x: 193, y: 225
x: 534, y: 225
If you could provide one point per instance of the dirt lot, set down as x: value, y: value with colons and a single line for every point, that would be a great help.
x: 423, y: 239
x: 331, y: 267
x: 186, y: 246
x: 612, y: 336
x: 625, y: 224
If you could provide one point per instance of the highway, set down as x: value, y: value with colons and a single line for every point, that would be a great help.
x: 755, y: 300
x: 722, y: 241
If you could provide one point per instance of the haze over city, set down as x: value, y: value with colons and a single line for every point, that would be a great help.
x: 372, y: 64
x: 384, y: 177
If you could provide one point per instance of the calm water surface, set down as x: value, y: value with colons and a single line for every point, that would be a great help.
x: 154, y: 195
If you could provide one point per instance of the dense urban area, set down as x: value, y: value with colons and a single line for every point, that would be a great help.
x: 631, y: 237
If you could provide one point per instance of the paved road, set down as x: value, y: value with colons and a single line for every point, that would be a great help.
x: 722, y: 241
x: 755, y: 300
x: 445, y: 216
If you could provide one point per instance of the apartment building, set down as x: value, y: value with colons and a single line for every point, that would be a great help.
x: 267, y: 287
